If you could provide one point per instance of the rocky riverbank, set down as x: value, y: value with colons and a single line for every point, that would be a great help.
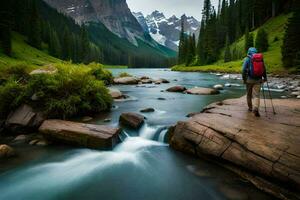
x: 288, y: 84
x: 267, y: 147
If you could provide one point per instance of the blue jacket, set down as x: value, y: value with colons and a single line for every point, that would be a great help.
x: 246, y: 66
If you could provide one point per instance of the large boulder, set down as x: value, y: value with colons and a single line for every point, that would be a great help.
x: 202, y: 91
x: 177, y: 88
x: 133, y: 120
x: 126, y: 80
x: 80, y: 134
x: 24, y: 120
x: 268, y: 146
x: 6, y: 151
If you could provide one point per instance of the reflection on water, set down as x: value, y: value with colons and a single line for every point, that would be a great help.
x: 142, y: 166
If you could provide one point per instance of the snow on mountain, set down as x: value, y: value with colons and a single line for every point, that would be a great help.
x: 164, y: 30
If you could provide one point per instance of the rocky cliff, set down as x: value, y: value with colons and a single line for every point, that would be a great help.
x: 114, y: 14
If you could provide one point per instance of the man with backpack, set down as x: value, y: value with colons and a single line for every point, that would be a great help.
x: 254, y: 74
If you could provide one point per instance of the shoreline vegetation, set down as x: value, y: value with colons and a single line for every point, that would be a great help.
x: 275, y: 29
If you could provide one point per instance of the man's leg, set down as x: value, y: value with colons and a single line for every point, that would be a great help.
x: 256, y: 98
x: 249, y: 88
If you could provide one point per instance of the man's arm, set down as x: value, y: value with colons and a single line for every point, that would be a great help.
x: 245, y: 69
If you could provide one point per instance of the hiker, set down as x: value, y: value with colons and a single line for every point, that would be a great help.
x: 254, y: 74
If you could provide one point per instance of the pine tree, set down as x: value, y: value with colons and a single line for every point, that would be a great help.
x: 5, y: 27
x: 291, y: 41
x: 66, y: 45
x: 227, y: 53
x: 84, y: 44
x: 206, y: 12
x: 200, y: 48
x: 182, y: 45
x: 34, y: 34
x: 210, y: 42
x: 190, y: 49
x: 54, y: 45
x: 249, y: 41
x: 261, y: 41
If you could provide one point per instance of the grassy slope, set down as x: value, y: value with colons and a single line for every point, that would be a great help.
x: 25, y: 54
x: 275, y: 29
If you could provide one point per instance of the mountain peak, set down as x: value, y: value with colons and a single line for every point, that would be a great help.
x: 166, y: 31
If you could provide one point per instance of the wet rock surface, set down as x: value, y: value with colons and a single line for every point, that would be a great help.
x: 268, y: 146
x: 202, y: 91
x: 79, y: 134
x: 133, y: 120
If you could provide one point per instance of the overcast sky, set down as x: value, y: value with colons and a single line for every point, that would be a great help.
x: 169, y: 7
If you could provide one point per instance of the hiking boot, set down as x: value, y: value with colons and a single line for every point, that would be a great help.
x: 256, y: 113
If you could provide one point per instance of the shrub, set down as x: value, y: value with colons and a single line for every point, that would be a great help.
x: 69, y: 93
x: 11, y: 95
x: 100, y: 73
x: 124, y: 74
x: 18, y: 72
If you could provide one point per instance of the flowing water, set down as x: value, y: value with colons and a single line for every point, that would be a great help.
x: 143, y: 166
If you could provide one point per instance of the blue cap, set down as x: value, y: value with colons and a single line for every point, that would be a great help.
x: 252, y: 51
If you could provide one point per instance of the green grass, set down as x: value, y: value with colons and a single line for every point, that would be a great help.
x: 275, y: 28
x: 75, y: 89
x: 115, y: 66
x: 23, y: 53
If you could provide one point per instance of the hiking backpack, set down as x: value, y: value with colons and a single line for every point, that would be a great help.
x: 257, y: 67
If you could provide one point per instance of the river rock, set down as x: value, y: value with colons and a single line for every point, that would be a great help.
x: 296, y: 89
x: 126, y: 80
x: 41, y: 143
x: 268, y: 146
x: 6, y: 151
x: 202, y: 91
x: 218, y: 87
x: 86, y: 119
x: 80, y: 134
x: 146, y: 81
x: 45, y: 70
x: 177, y: 88
x: 33, y: 142
x: 146, y: 110
x: 24, y: 120
x: 115, y: 93
x: 133, y: 120
x: 144, y: 77
x: 295, y: 93
x: 163, y: 80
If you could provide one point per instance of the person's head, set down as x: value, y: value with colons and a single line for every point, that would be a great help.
x: 252, y: 51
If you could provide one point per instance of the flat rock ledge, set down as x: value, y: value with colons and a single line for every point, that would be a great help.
x: 80, y: 134
x: 268, y: 146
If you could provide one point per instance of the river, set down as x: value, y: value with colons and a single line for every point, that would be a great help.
x: 143, y: 166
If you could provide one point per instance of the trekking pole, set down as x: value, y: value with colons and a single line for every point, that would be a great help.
x: 271, y: 98
x: 263, y: 90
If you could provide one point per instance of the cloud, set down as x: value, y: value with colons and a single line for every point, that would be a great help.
x: 170, y: 7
